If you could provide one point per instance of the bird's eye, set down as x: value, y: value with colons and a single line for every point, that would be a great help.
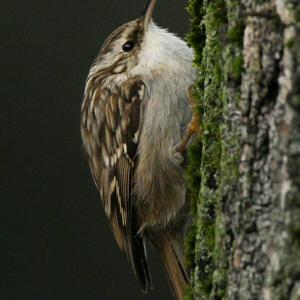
x: 128, y: 46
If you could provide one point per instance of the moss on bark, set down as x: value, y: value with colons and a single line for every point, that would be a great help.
x: 244, y: 167
x: 216, y: 36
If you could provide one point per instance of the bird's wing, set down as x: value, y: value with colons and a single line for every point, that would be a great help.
x: 119, y: 126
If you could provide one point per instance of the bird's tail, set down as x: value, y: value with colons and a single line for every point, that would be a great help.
x: 170, y: 247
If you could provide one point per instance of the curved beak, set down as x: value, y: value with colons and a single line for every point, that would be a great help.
x: 147, y: 13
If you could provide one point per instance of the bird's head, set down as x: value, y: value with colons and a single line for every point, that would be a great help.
x: 121, y: 49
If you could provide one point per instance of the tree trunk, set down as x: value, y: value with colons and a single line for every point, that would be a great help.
x: 244, y: 170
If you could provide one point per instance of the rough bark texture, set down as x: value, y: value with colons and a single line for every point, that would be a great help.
x: 244, y: 171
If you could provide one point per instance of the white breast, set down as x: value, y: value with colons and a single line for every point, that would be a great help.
x: 166, y: 69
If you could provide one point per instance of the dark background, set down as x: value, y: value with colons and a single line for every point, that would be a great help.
x: 55, y: 242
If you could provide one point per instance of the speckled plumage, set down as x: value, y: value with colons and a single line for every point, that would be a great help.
x: 135, y: 111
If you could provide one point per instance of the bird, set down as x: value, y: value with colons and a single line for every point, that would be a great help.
x: 137, y: 121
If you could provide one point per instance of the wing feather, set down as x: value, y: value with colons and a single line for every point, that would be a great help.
x: 113, y: 163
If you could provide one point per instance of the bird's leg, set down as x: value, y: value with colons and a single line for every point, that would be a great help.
x: 194, y: 125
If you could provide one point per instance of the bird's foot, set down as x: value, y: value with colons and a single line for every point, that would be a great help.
x: 194, y: 125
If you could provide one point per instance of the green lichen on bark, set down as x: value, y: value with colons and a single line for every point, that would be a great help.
x: 245, y: 195
x: 216, y: 36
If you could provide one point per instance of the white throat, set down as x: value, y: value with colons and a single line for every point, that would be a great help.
x: 162, y: 49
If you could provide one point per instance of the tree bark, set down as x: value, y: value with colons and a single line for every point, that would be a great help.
x: 244, y: 170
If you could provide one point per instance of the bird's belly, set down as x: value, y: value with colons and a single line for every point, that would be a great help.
x: 159, y: 183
